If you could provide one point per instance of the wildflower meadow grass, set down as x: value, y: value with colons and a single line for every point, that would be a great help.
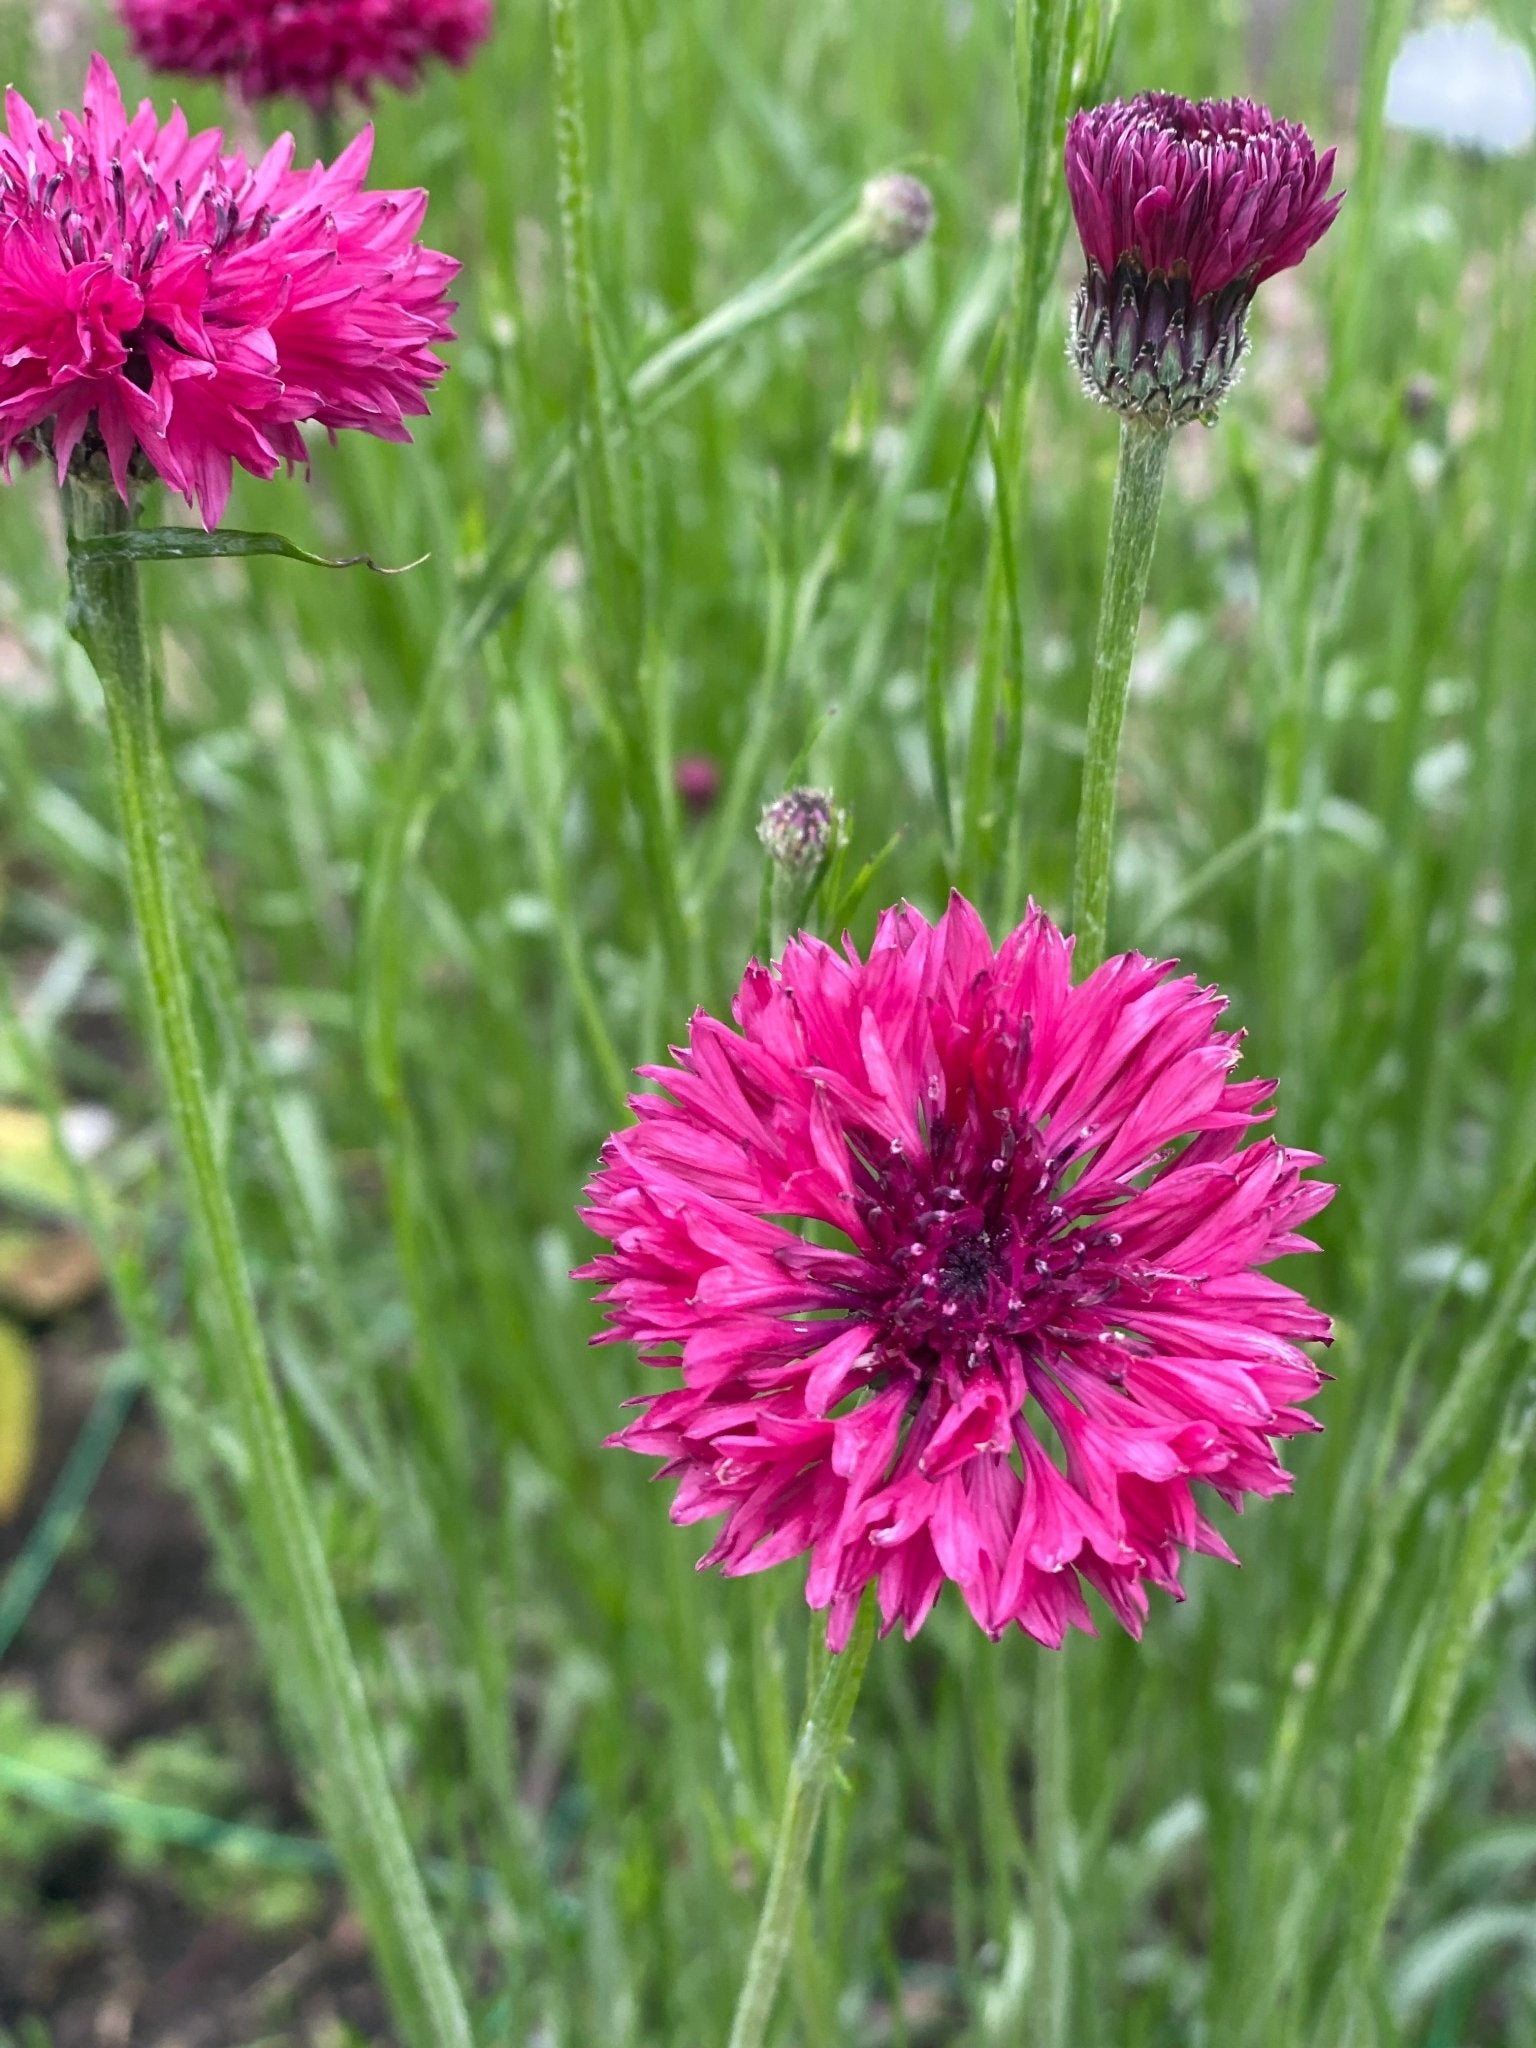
x: 760, y: 476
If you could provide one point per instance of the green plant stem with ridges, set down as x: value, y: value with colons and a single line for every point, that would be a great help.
x: 107, y: 618
x: 1132, y: 539
x: 1408, y: 1782
x: 1053, y: 1953
x: 817, y: 1753
x: 611, y: 552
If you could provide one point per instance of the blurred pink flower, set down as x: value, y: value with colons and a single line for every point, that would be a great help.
x: 179, y: 310
x: 1025, y: 1313
x: 696, y: 778
x: 312, y: 48
x: 1184, y: 208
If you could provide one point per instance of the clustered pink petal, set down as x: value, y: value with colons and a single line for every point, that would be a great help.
x: 1021, y: 1312
x: 178, y: 308
x: 311, y: 48
x: 1213, y: 190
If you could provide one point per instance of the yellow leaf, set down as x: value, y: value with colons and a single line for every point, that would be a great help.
x: 18, y: 1418
x: 32, y: 1172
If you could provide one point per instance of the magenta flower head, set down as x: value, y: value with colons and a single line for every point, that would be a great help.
x: 315, y: 49
x: 959, y: 1266
x: 168, y: 310
x: 1184, y: 208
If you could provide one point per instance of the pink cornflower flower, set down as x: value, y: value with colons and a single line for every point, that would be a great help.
x: 1184, y: 208
x: 314, y: 49
x: 959, y: 1266
x: 175, y: 310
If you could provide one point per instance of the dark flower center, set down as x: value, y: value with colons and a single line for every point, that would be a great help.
x: 982, y: 1254
x: 967, y: 1270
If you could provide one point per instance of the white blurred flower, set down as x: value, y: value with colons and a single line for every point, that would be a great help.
x: 1465, y: 83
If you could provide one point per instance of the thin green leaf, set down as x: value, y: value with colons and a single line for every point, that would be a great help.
x: 186, y: 544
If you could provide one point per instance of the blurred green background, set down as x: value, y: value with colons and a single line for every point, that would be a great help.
x: 1302, y: 1807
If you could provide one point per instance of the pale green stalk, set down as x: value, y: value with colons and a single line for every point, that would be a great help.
x: 612, y: 551
x: 1297, y: 765
x: 328, y: 1696
x: 811, y: 1773
x: 1050, y: 1992
x: 1132, y: 539
x: 1408, y: 1780
x: 1044, y: 34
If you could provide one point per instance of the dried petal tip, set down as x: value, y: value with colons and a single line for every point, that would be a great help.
x: 1184, y: 208
x: 800, y: 828
x: 898, y: 212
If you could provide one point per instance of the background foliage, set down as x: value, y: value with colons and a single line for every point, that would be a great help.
x: 1301, y: 1808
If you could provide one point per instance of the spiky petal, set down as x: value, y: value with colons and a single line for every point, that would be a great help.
x: 171, y: 309
x: 948, y: 1294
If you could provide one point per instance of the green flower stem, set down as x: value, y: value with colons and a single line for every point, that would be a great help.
x: 1053, y: 1954
x: 328, y: 1696
x: 817, y: 1753
x: 330, y: 137
x: 1132, y: 537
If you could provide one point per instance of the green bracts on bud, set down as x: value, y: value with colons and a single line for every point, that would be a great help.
x: 1148, y: 348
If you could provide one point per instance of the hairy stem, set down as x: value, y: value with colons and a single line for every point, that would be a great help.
x: 1053, y: 1953
x: 325, y: 1686
x: 1132, y: 537
x: 817, y: 1752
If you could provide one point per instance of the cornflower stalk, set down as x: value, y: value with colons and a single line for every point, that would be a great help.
x: 326, y: 1688
x: 1132, y: 540
x: 1139, y: 480
x: 812, y: 1770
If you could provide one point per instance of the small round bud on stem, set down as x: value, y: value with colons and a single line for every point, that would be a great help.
x: 898, y: 212
x: 800, y: 829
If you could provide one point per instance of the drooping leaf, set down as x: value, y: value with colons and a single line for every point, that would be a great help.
x: 188, y: 544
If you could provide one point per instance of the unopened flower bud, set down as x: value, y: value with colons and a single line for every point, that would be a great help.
x: 800, y: 829
x: 1184, y: 209
x: 696, y: 778
x: 898, y: 212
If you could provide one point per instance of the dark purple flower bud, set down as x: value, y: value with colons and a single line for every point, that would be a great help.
x: 1184, y: 208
